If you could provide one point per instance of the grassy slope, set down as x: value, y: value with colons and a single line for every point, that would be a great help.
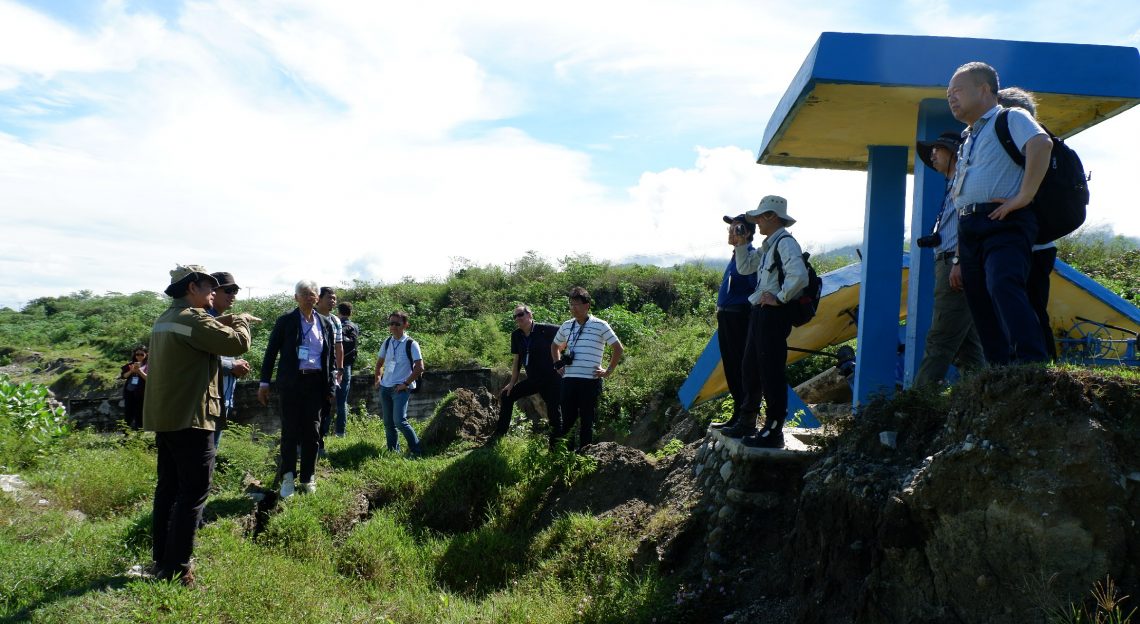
x: 447, y: 539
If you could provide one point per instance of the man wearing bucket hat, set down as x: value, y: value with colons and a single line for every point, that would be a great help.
x: 181, y: 406
x: 764, y: 368
x: 732, y: 313
x: 952, y: 336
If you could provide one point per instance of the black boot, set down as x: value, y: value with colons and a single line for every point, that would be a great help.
x: 745, y: 427
x: 728, y: 424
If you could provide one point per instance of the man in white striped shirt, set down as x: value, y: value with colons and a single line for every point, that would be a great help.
x: 584, y: 337
x: 781, y: 277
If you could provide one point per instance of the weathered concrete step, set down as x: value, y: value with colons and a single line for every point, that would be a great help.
x: 799, y: 444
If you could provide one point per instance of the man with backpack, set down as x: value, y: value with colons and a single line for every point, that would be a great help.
x: 995, y: 232
x: 350, y: 337
x: 398, y: 367
x: 782, y: 276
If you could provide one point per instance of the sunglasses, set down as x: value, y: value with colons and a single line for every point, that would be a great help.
x: 232, y: 290
x: 520, y: 314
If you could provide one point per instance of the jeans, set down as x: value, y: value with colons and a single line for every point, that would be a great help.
x: 185, y: 469
x: 342, y: 400
x: 394, y: 405
x: 952, y: 337
x: 580, y: 402
x: 995, y: 265
x: 764, y: 370
x: 549, y: 389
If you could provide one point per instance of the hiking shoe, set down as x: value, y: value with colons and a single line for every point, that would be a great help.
x: 765, y: 439
x: 740, y: 430
x: 728, y: 424
x: 187, y: 579
x: 309, y: 487
x: 287, y: 487
x: 150, y: 571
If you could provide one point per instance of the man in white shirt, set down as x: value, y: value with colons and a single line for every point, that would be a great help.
x: 584, y: 338
x: 781, y: 277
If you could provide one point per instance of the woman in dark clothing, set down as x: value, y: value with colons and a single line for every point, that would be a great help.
x: 135, y: 374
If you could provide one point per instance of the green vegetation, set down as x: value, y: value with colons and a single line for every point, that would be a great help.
x: 455, y: 537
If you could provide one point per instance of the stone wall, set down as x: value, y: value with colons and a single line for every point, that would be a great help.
x: 744, y: 493
x: 105, y: 413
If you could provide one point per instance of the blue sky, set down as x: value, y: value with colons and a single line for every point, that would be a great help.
x: 291, y: 139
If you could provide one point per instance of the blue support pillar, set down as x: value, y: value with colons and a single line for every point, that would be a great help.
x: 934, y: 118
x: 881, y: 288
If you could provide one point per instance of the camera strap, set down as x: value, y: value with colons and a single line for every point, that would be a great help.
x: 580, y: 328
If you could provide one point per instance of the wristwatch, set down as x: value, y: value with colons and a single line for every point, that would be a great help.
x: 954, y: 260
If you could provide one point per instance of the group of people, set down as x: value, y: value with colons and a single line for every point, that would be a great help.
x: 992, y: 282
x: 991, y: 288
x: 563, y: 366
x: 990, y: 297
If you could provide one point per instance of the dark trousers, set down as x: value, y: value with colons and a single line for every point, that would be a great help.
x: 1037, y: 289
x: 731, y: 335
x: 132, y: 408
x: 995, y: 264
x: 326, y: 422
x: 549, y: 389
x: 764, y: 368
x: 185, y: 469
x: 579, y: 401
x: 301, y: 404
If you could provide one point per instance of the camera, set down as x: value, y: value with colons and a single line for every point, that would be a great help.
x: 933, y: 240
x: 567, y: 358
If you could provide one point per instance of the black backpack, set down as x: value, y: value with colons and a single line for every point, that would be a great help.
x: 802, y: 308
x: 418, y: 382
x: 349, y: 333
x: 1064, y: 192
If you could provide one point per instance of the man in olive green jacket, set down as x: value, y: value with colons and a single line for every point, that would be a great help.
x: 184, y: 347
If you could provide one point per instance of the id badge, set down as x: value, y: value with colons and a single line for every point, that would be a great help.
x: 389, y: 368
x: 134, y: 381
x: 526, y: 359
x: 303, y: 354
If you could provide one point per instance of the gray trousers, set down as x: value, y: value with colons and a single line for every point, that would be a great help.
x: 952, y: 337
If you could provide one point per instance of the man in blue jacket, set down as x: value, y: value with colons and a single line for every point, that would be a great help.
x: 732, y: 311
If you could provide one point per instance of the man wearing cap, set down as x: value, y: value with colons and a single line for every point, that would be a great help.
x: 952, y: 337
x: 306, y: 379
x: 764, y: 369
x: 182, y: 405
x: 732, y: 312
x: 995, y: 232
x: 232, y: 368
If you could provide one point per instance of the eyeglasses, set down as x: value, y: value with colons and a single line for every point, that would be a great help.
x: 395, y: 323
x: 520, y: 314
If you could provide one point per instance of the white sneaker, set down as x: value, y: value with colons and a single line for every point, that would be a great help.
x: 309, y: 487
x: 287, y: 487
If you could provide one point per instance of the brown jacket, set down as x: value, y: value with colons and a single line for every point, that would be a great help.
x: 182, y: 384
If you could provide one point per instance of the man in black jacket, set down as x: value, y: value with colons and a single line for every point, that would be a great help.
x: 305, y: 379
x: 530, y: 345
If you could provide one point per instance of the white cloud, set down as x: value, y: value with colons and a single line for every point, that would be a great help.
x: 333, y: 141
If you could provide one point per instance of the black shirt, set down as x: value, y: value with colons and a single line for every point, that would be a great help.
x: 537, y: 347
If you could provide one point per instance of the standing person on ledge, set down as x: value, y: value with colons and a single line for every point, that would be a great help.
x: 732, y: 313
x: 764, y: 369
x: 584, y: 337
x: 995, y: 231
x: 182, y: 406
x: 530, y: 345
x: 306, y: 380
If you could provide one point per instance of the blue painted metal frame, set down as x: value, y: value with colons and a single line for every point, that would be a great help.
x: 934, y: 118
x: 924, y: 61
x: 881, y: 290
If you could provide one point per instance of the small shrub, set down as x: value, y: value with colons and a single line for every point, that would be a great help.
x: 101, y: 481
x: 30, y: 424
